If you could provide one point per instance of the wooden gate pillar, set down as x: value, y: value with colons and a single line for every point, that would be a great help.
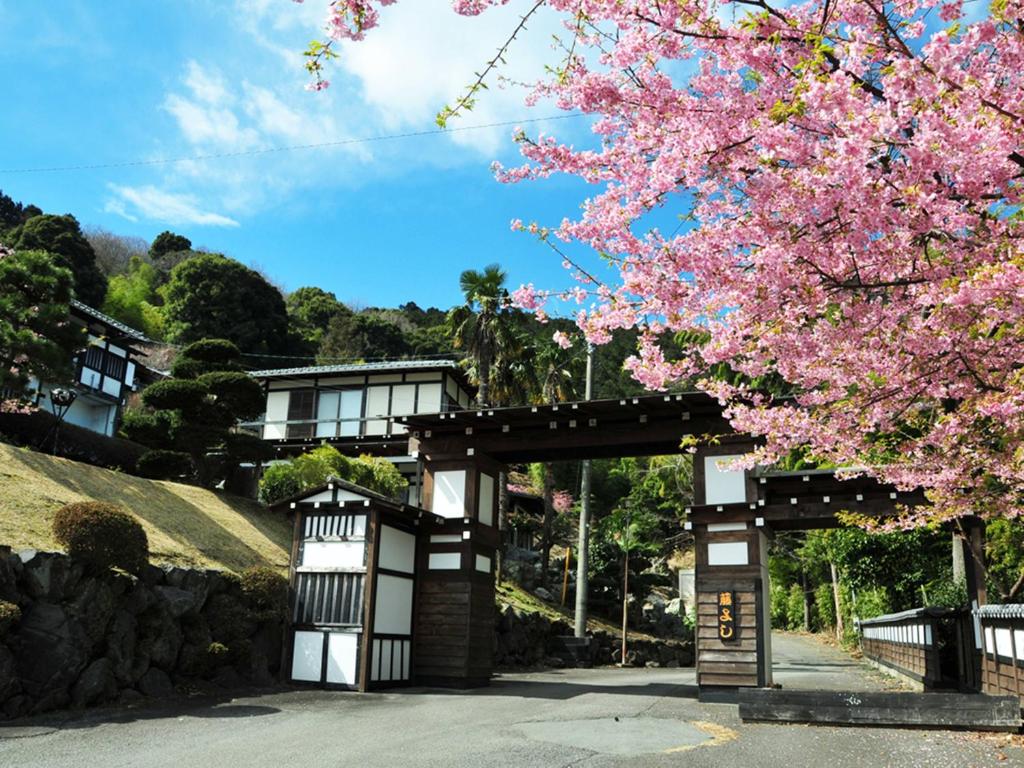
x: 454, y: 629
x: 733, y: 643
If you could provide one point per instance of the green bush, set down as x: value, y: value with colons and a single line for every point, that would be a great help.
x: 101, y: 536
x: 10, y: 614
x: 312, y: 469
x: 165, y: 465
x: 872, y: 602
x: 825, y: 605
x: 795, y: 607
x: 947, y: 594
x: 279, y: 481
x: 780, y: 606
x: 266, y: 590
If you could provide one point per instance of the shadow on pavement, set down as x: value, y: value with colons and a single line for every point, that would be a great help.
x: 202, y: 707
x: 559, y: 690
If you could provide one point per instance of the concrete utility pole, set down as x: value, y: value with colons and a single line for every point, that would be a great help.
x: 582, y: 548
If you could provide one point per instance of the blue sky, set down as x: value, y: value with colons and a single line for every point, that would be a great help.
x: 378, y: 223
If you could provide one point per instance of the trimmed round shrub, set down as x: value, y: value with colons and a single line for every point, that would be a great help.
x: 10, y: 614
x: 240, y: 393
x: 174, y: 393
x: 165, y: 465
x: 266, y: 590
x: 212, y: 351
x: 101, y: 536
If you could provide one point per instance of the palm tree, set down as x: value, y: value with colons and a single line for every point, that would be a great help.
x: 482, y: 325
x: 489, y: 333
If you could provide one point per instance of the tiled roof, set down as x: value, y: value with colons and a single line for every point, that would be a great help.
x: 325, y: 370
x: 94, y: 313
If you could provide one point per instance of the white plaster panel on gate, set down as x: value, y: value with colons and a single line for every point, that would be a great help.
x: 485, y: 511
x: 1004, y: 642
x: 444, y: 561
x: 393, y: 614
x: 342, y: 651
x: 722, y: 485
x: 449, y: 493
x: 332, y: 554
x: 727, y: 553
x: 1018, y: 639
x: 446, y: 538
x: 928, y: 635
x: 990, y: 645
x: 397, y: 550
x: 720, y: 527
x: 307, y: 656
x: 328, y: 496
x: 483, y: 563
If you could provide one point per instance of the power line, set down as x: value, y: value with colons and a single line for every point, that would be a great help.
x: 287, y: 148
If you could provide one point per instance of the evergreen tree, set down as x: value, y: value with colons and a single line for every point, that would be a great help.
x: 211, y: 296
x: 62, y: 237
x: 35, y: 336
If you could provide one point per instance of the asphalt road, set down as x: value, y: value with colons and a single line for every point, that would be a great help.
x: 587, y: 718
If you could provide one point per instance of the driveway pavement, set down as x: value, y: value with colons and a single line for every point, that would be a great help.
x: 588, y: 718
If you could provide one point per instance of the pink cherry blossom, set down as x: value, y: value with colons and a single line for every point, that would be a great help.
x: 850, y: 179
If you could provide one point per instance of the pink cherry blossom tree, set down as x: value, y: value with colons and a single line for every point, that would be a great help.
x: 849, y: 173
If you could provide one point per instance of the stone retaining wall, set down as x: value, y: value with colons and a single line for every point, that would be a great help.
x: 85, y: 639
x: 524, y: 639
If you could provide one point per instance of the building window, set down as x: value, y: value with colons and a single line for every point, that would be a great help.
x: 301, y: 408
x: 93, y: 358
x: 114, y: 367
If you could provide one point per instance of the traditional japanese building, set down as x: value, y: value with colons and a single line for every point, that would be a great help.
x: 356, y: 407
x: 106, y: 371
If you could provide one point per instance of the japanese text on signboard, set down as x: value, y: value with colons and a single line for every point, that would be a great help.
x: 726, y: 616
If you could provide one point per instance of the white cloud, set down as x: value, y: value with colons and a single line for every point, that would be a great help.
x: 162, y: 206
x: 423, y: 56
x: 249, y: 97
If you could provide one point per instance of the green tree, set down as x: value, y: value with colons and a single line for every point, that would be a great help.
x: 132, y: 298
x: 13, y: 213
x: 211, y: 296
x: 166, y: 243
x: 62, y: 236
x: 1004, y: 555
x: 193, y: 414
x: 35, y: 336
x: 483, y: 324
x: 314, y: 468
x: 365, y: 335
x: 310, y: 311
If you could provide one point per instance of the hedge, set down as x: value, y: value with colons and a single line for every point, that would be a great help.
x: 101, y: 536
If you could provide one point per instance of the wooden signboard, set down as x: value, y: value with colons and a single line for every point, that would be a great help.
x: 727, y: 617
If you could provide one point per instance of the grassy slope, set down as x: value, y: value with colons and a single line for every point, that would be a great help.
x: 186, y: 525
x: 508, y: 593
